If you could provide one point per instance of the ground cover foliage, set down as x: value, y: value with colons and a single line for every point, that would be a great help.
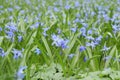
x: 59, y: 40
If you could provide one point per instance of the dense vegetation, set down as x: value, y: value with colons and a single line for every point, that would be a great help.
x: 59, y: 39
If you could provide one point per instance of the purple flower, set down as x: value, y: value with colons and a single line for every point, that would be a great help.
x: 2, y: 53
x: 82, y: 48
x: 37, y: 51
x: 17, y: 53
x: 20, y: 73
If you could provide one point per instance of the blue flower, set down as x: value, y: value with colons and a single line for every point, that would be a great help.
x: 73, y: 29
x: 91, y: 44
x: 77, y: 4
x: 59, y: 31
x: 59, y: 42
x: 85, y: 59
x: 20, y: 73
x: 82, y: 48
x: 71, y: 56
x: 98, y: 39
x: 107, y: 58
x: 19, y: 38
x: 67, y: 7
x: 45, y: 30
x: 10, y: 9
x: 37, y: 51
x: 11, y: 27
x: 115, y: 28
x: 89, y: 38
x: 56, y: 9
x: 2, y: 53
x: 63, y: 43
x: 16, y: 53
x: 105, y: 48
x: 89, y: 31
x: 83, y: 31
x: 0, y: 29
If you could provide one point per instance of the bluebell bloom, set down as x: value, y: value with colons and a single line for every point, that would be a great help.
x: 82, y: 48
x: 10, y: 9
x: 106, y: 17
x: 1, y: 6
x: 10, y: 34
x: 89, y: 38
x: 107, y: 58
x: 36, y: 24
x: 93, y: 13
x: 2, y: 53
x: 77, y: 4
x: 67, y: 7
x: 17, y: 53
x: 91, y: 44
x: 85, y: 59
x: 17, y: 7
x: 56, y: 9
x: 85, y: 25
x: 89, y: 31
x: 20, y: 38
x: 63, y: 43
x: 0, y: 29
x: 83, y: 31
x: 73, y: 29
x: 59, y: 42
x: 105, y: 48
x: 115, y: 28
x: 59, y: 31
x: 45, y: 30
x: 37, y: 51
x: 11, y: 27
x: 76, y: 20
x: 71, y: 56
x: 98, y: 39
x: 20, y: 73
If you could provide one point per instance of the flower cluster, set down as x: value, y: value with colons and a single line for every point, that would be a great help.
x: 59, y: 42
